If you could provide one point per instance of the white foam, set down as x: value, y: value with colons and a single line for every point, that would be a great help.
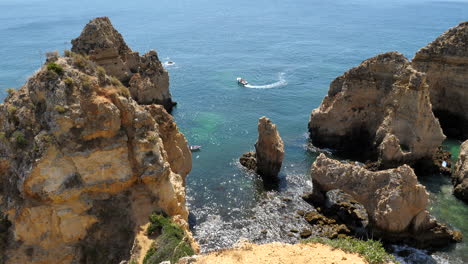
x: 281, y: 82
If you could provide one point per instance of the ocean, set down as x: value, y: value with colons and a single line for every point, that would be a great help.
x: 289, y: 51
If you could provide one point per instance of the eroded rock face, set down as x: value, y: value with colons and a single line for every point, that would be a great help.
x: 460, y: 175
x: 379, y: 110
x: 83, y: 166
x: 145, y: 76
x: 268, y: 158
x: 444, y: 61
x: 269, y: 148
x: 394, y: 200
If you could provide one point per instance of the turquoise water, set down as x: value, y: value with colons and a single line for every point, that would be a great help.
x: 303, y: 44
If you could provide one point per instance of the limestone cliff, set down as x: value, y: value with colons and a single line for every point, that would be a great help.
x: 268, y: 158
x: 444, y: 61
x: 395, y: 201
x: 460, y: 175
x: 145, y: 76
x: 83, y: 165
x: 379, y: 110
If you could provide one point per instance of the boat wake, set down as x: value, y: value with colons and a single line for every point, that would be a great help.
x: 281, y: 82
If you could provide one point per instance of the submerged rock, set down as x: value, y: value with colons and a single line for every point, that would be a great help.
x: 145, y: 75
x: 379, y: 110
x: 83, y: 165
x: 444, y: 62
x: 394, y: 200
x: 268, y: 158
x: 460, y: 175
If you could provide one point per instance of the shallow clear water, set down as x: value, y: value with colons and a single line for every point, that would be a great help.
x: 301, y: 44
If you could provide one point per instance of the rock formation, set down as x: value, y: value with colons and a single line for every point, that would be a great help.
x: 145, y: 76
x: 341, y: 207
x: 460, y: 175
x: 83, y: 165
x: 269, y: 149
x: 395, y: 201
x: 444, y: 61
x: 379, y: 110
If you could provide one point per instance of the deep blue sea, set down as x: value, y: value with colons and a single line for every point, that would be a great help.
x: 297, y: 46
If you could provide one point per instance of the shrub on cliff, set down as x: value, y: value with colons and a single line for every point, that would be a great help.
x: 171, y: 243
x: 373, y: 251
x: 54, y: 67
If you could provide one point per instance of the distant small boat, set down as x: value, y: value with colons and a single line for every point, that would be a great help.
x: 170, y: 62
x: 194, y: 147
x: 242, y: 81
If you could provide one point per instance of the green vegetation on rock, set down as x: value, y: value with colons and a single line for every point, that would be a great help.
x: 19, y: 139
x: 170, y: 243
x: 54, y: 67
x: 373, y: 251
x: 60, y: 109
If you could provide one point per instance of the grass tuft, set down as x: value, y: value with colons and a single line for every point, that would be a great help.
x: 371, y: 250
x: 170, y: 245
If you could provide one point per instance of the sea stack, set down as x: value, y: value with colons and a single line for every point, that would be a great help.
x: 460, y: 174
x: 83, y: 165
x: 268, y: 158
x: 145, y: 75
x: 394, y: 200
x: 379, y: 110
x: 444, y: 61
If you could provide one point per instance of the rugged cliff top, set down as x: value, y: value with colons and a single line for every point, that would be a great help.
x: 453, y: 43
x: 99, y: 33
x: 145, y: 75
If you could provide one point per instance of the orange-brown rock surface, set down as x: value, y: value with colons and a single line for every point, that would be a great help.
x: 379, y: 110
x: 269, y: 148
x: 268, y: 158
x: 444, y: 61
x: 394, y: 200
x: 83, y: 165
x: 145, y: 76
x: 460, y: 174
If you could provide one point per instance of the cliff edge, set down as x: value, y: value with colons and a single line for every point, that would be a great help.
x: 84, y: 165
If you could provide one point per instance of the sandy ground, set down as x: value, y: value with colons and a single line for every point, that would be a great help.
x: 279, y: 253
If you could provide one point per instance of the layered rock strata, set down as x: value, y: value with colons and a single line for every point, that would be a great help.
x: 145, y: 76
x: 394, y: 200
x: 379, y: 110
x: 269, y: 151
x: 444, y: 61
x: 83, y: 165
x: 460, y: 174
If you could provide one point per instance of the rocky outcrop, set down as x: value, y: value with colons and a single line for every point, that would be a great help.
x: 444, y: 61
x: 269, y: 148
x: 342, y: 208
x: 268, y: 158
x: 145, y: 76
x: 83, y: 165
x: 460, y: 175
x: 395, y: 201
x: 379, y: 110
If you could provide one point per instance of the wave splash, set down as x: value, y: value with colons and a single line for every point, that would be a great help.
x: 281, y: 82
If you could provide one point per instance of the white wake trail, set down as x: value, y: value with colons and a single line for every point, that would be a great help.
x: 279, y: 83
